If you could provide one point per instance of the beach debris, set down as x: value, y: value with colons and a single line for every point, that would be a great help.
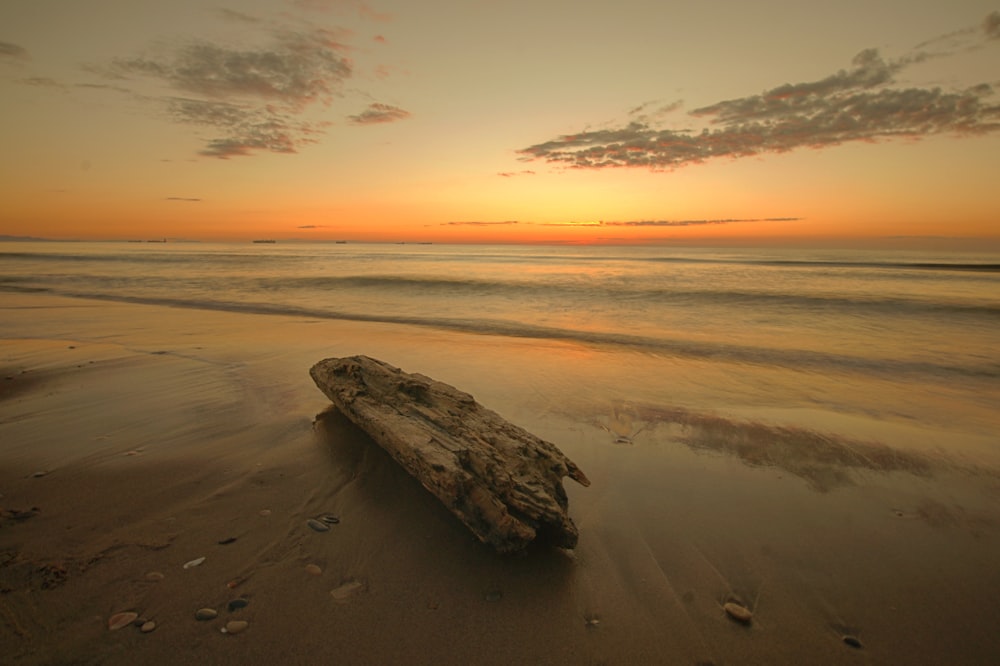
x: 18, y: 515
x: 591, y: 620
x: 235, y: 626
x: 52, y: 575
x: 314, y: 569
x: 227, y: 541
x: 502, y: 482
x: 852, y: 641
x: 318, y: 525
x: 147, y: 626
x: 119, y: 620
x: 193, y: 563
x: 237, y: 604
x: 154, y: 576
x: 346, y: 590
x: 738, y: 612
x: 204, y: 614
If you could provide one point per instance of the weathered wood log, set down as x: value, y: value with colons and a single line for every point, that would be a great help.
x: 504, y: 483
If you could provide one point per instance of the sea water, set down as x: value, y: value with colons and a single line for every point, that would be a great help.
x: 899, y: 346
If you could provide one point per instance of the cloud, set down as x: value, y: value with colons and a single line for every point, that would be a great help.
x: 235, y: 16
x: 360, y: 7
x: 668, y: 223
x: 41, y: 82
x: 12, y: 52
x: 693, y: 223
x: 991, y: 25
x: 249, y: 128
x: 296, y: 71
x: 254, y: 98
x: 511, y: 174
x: 182, y: 199
x: 102, y: 86
x: 379, y: 113
x: 857, y: 104
x: 476, y: 223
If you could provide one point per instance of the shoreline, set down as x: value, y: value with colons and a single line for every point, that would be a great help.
x: 159, y: 435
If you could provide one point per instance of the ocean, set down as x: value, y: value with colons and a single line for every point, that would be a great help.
x: 898, y: 347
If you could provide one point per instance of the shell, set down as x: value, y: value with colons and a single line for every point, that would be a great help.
x: 738, y: 612
x: 119, y: 620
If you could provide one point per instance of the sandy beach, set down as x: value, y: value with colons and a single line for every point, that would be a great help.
x: 137, y: 439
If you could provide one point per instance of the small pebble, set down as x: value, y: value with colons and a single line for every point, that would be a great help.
x: 318, y: 525
x: 38, y: 475
x: 265, y: 512
x: 147, y: 626
x: 154, y: 576
x: 194, y: 563
x: 493, y: 595
x: 237, y: 604
x: 738, y: 612
x: 235, y: 626
x: 852, y: 641
x: 330, y: 519
x: 347, y: 590
x: 227, y: 541
x: 119, y: 620
x: 234, y: 583
x: 203, y: 614
x: 313, y: 569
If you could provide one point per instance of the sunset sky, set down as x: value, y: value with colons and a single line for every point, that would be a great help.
x: 875, y: 122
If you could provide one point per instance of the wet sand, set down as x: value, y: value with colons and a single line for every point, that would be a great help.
x: 135, y: 439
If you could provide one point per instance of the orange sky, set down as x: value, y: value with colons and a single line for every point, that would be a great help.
x: 349, y: 119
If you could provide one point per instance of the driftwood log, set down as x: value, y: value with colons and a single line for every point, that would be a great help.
x: 504, y: 483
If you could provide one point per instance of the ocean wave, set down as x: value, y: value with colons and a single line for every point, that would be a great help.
x: 797, y: 359
x: 433, y: 287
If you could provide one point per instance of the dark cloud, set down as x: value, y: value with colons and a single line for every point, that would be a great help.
x: 857, y: 104
x: 379, y: 113
x: 182, y: 199
x: 12, y: 51
x: 254, y: 97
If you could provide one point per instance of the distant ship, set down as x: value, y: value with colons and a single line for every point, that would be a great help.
x: 265, y: 241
